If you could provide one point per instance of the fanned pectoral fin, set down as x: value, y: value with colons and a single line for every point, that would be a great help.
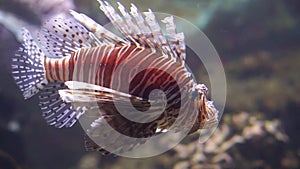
x: 86, y: 92
x: 109, y: 131
x: 112, y: 133
x: 54, y: 109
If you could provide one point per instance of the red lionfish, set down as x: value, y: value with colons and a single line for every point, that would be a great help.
x: 79, y: 49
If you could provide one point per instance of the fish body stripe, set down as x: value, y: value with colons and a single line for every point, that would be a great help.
x: 59, y: 69
x: 95, y: 65
x: 80, y: 61
x: 99, y: 65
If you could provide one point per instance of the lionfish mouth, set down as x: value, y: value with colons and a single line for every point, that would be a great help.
x: 210, y: 115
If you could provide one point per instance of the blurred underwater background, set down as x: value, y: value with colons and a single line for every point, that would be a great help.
x: 258, y: 43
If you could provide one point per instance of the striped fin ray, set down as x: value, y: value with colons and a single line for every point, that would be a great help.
x: 175, y: 40
x: 129, y: 28
x: 158, y: 36
x: 85, y: 92
x: 62, y: 35
x: 146, y: 31
x: 54, y: 109
x: 111, y: 139
x: 90, y: 145
x: 27, y: 66
x: 132, y: 26
x: 115, y: 18
x: 87, y: 99
x: 102, y: 34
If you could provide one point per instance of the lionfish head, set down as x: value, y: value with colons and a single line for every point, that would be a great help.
x: 208, y: 115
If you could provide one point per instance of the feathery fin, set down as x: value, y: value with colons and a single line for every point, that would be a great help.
x: 158, y: 36
x: 54, y: 109
x: 101, y: 33
x: 103, y: 130
x: 146, y: 31
x: 175, y: 40
x: 81, y: 92
x: 28, y: 68
x: 62, y: 35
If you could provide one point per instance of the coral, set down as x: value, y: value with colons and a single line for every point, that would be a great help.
x: 221, y: 150
x: 89, y: 161
x: 260, y: 52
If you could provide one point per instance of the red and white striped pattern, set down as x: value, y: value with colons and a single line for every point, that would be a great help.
x: 112, y: 67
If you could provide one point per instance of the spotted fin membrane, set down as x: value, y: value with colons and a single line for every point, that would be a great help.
x: 58, y: 38
x: 61, y: 36
x: 138, y: 30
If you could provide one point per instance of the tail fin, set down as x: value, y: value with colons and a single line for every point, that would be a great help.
x: 27, y: 67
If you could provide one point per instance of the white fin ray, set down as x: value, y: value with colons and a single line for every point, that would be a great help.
x: 175, y: 40
x: 132, y: 26
x: 81, y: 92
x: 103, y: 130
x: 89, y: 95
x: 54, y: 109
x: 109, y: 138
x: 146, y: 31
x: 101, y: 33
x: 28, y: 68
x: 144, y: 34
x: 158, y: 36
x: 114, y: 17
x: 101, y: 133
